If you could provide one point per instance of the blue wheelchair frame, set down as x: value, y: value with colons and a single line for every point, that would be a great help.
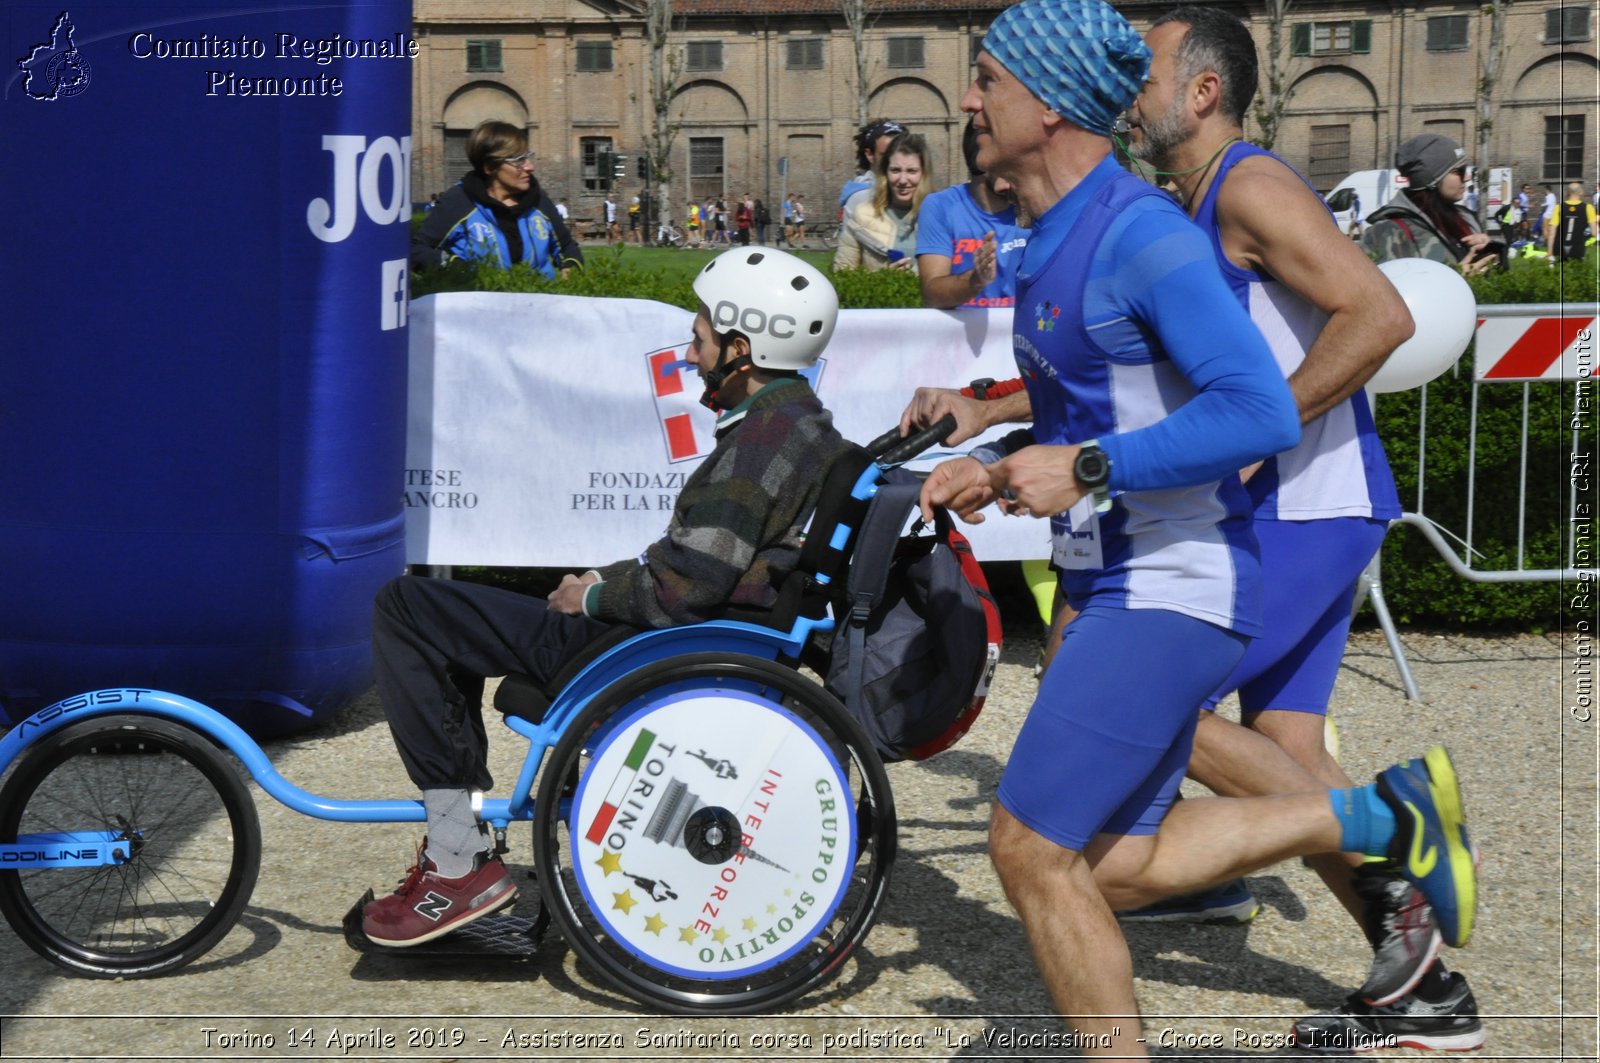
x: 733, y: 640
x: 713, y: 636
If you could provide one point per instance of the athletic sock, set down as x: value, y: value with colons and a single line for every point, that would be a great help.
x: 454, y: 836
x: 1365, y: 820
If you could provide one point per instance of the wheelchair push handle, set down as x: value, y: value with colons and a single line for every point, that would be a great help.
x: 889, y: 449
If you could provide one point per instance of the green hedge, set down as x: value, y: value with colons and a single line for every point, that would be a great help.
x: 650, y: 273
x: 1419, y: 587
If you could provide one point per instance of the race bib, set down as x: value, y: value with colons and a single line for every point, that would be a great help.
x: 1076, y: 537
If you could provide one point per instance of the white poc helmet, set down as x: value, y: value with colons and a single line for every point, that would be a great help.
x: 780, y: 302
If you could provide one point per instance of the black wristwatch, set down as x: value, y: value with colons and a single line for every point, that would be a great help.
x: 980, y: 388
x: 1093, y: 470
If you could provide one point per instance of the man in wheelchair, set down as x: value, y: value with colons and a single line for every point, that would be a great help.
x: 734, y: 534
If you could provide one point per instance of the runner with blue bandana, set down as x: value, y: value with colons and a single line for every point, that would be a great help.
x: 1149, y: 388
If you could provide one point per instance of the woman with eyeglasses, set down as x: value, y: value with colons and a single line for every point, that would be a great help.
x: 1426, y: 219
x: 497, y: 213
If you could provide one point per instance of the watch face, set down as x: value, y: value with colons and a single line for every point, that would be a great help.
x: 1092, y: 468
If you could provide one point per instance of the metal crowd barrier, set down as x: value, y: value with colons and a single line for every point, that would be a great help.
x: 1535, y: 345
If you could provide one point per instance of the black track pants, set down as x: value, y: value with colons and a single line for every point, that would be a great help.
x: 433, y: 642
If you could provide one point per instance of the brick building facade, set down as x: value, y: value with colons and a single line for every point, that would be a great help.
x: 765, y: 98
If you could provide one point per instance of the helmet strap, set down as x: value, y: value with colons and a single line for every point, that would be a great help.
x: 722, y: 373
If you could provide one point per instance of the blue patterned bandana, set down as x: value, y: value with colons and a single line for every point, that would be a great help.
x: 1080, y: 57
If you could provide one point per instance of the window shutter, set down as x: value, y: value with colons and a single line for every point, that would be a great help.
x: 1361, y: 36
x: 483, y: 55
x: 1577, y: 23
x: 1300, y: 39
x: 805, y: 53
x: 1552, y: 24
x: 906, y: 52
x: 704, y: 55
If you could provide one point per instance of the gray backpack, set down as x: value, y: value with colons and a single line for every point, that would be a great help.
x: 918, y: 632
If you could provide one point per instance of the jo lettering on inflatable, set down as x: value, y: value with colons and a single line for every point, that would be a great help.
x: 357, y: 168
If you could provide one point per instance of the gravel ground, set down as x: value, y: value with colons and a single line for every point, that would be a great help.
x: 946, y: 972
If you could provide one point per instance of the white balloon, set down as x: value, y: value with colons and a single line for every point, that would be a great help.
x: 1446, y: 316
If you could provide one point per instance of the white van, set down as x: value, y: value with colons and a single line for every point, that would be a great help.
x: 1359, y: 195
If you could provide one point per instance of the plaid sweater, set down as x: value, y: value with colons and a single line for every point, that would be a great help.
x: 735, y: 531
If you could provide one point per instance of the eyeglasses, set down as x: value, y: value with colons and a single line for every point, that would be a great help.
x: 525, y: 159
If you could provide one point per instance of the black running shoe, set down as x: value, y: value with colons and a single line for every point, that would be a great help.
x: 1450, y: 1025
x: 1404, y: 937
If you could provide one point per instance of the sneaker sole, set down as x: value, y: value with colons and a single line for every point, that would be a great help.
x: 471, y: 916
x: 1459, y: 1042
x: 1445, y: 789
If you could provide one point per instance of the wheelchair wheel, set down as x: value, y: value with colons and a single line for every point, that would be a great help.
x: 193, y: 840
x: 729, y: 841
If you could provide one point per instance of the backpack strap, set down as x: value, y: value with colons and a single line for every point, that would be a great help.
x: 870, y: 566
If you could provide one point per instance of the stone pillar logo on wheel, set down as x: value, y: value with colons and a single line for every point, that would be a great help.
x: 713, y: 834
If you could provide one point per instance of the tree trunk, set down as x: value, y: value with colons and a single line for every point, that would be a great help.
x: 1274, y: 98
x: 855, y: 17
x: 666, y: 67
x: 1492, y: 60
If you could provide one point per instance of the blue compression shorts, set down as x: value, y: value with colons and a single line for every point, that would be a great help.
x: 1308, y: 577
x: 1108, y: 738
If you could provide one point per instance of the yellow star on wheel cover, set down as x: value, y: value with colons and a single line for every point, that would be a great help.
x: 624, y: 900
x: 609, y: 861
x: 655, y: 924
x: 749, y: 922
x: 687, y: 933
x: 720, y: 934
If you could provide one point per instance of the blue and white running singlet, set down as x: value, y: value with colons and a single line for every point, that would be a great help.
x: 1339, y: 468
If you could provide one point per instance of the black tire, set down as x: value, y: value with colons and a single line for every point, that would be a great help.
x: 724, y: 886
x: 193, y: 831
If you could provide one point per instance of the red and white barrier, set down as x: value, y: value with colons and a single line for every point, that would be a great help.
x: 1533, y: 347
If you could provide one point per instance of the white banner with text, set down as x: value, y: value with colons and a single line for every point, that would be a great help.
x: 555, y: 431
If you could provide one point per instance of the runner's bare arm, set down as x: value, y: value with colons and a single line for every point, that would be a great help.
x: 1272, y: 223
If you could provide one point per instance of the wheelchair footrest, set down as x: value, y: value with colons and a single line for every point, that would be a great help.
x: 507, y: 935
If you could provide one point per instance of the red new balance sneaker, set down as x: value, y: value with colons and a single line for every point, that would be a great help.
x: 427, y: 906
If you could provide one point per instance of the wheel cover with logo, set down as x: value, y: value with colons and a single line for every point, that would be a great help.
x: 713, y: 833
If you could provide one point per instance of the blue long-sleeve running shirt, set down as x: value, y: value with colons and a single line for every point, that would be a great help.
x: 1126, y: 332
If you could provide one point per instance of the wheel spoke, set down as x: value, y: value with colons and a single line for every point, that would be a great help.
x: 190, y: 826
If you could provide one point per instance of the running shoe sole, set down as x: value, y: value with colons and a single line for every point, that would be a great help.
x: 470, y: 916
x: 1446, y: 790
x: 1192, y: 908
